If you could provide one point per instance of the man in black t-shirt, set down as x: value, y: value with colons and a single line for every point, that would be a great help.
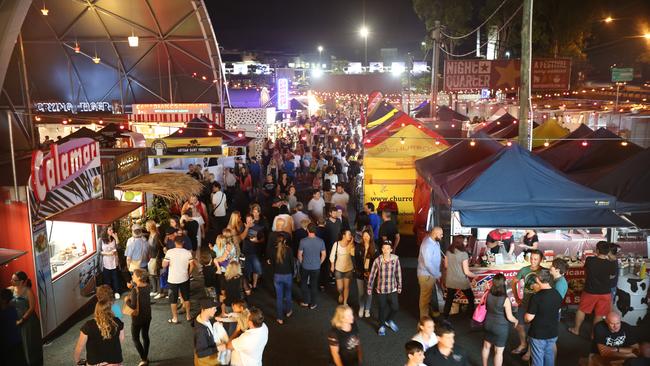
x: 444, y: 353
x: 542, y: 314
x: 388, y: 230
x: 614, y: 340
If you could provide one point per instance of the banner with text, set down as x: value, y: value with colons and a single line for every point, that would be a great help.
x: 474, y: 75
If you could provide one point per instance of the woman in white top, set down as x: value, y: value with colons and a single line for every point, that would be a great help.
x: 341, y: 264
x: 425, y: 334
x: 110, y: 273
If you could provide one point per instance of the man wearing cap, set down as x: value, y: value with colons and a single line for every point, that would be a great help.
x: 137, y: 250
x: 205, y: 348
x: 600, y: 273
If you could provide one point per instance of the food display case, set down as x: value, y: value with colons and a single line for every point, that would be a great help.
x: 69, y: 244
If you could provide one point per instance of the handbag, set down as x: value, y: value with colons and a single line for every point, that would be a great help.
x: 478, y: 318
x: 127, y: 310
x: 152, y: 266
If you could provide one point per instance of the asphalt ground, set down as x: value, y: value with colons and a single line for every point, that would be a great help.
x: 302, y: 340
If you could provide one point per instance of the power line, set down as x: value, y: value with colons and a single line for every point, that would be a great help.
x: 486, y: 42
x: 477, y: 28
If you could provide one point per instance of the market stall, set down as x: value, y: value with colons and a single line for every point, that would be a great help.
x: 118, y: 166
x: 55, y: 216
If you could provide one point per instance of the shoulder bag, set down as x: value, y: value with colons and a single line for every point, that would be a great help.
x: 127, y: 310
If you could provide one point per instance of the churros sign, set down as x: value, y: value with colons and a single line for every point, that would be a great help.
x: 62, y: 164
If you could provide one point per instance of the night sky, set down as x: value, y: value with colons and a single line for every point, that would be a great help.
x: 301, y: 25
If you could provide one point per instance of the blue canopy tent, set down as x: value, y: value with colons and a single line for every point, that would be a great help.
x: 520, y: 190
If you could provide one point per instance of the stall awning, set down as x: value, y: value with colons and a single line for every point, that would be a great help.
x: 97, y: 211
x: 7, y: 255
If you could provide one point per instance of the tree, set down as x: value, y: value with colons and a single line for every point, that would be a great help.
x: 453, y: 14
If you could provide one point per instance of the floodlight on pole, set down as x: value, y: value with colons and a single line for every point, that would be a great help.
x: 364, y: 33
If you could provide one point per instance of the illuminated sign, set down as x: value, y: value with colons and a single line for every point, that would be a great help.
x: 67, y: 107
x: 127, y: 162
x: 420, y: 67
x: 62, y: 164
x: 354, y: 68
x: 376, y: 67
x: 485, y: 93
x: 169, y: 108
x: 283, y: 94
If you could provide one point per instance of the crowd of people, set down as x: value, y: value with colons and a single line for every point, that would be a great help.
x: 293, y: 215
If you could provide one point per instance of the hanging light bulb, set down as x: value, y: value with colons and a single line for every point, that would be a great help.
x: 180, y: 130
x: 584, y: 143
x: 509, y: 143
x: 437, y: 142
x: 240, y: 134
x: 77, y: 49
x: 623, y: 143
x: 45, y: 11
x: 101, y: 121
x: 436, y: 126
x: 546, y: 143
x: 367, y: 141
x: 37, y: 119
x: 65, y: 121
x: 472, y: 143
x: 121, y: 127
x: 96, y: 59
x: 133, y: 40
x: 209, y: 133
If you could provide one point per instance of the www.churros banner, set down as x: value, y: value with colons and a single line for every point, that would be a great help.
x: 390, y: 174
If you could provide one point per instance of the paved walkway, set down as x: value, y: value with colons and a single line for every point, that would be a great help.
x: 302, y: 339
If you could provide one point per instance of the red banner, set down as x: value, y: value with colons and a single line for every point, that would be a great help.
x: 468, y: 75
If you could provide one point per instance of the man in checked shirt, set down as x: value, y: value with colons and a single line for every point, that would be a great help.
x: 386, y: 269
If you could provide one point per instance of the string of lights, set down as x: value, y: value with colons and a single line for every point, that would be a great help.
x: 477, y: 28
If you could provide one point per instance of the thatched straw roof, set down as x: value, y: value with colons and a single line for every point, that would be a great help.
x: 174, y: 186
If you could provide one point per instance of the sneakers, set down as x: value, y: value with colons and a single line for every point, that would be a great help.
x: 313, y: 306
x: 391, y: 324
x: 159, y: 296
x: 360, y: 312
x: 366, y: 314
x: 153, y: 293
x: 117, y: 296
x: 382, y: 331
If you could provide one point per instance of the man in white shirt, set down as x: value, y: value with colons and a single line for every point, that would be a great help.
x: 248, y: 348
x: 218, y: 208
x: 181, y: 264
x: 316, y: 205
x: 341, y: 198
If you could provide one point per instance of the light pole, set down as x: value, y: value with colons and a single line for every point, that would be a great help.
x: 364, y: 33
x: 320, y: 53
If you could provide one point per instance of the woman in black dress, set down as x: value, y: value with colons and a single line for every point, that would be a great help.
x: 497, y: 321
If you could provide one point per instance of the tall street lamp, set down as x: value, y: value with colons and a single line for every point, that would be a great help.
x: 364, y: 33
x: 320, y: 52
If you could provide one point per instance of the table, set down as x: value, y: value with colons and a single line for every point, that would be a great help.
x: 575, y: 277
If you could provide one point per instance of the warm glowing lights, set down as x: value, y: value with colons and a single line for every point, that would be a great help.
x: 134, y: 41
x: 76, y: 48
x: 509, y: 143
x: 96, y: 59
x: 101, y: 121
x: 180, y: 130
x: 37, y: 119
x: 209, y: 133
x: 437, y: 142
x: 240, y: 135
x: 584, y: 143
x: 367, y: 141
x: 65, y: 121
x: 608, y: 20
x: 45, y: 11
x: 121, y: 127
x: 623, y: 143
x: 546, y: 143
x: 472, y: 143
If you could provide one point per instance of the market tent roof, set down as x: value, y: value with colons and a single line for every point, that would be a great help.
x: 381, y: 114
x: 629, y: 181
x: 549, y: 130
x: 569, y: 155
x: 417, y: 142
x: 96, y: 211
x: 87, y: 132
x: 496, y: 115
x: 174, y: 186
x: 535, y: 195
x: 497, y: 124
x: 581, y: 132
x: 443, y: 113
x: 7, y: 255
x: 508, y: 132
x: 195, y: 128
x: 399, y: 121
x: 437, y: 169
x: 114, y: 130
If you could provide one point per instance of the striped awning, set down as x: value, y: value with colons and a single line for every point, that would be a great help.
x: 172, y: 117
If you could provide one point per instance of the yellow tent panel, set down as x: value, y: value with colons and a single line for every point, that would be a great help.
x: 416, y: 144
x: 550, y: 130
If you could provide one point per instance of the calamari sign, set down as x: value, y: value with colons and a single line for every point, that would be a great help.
x: 62, y: 164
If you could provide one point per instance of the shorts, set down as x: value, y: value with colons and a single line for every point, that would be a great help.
x: 184, y: 289
x: 252, y: 264
x: 599, y: 304
x: 341, y: 275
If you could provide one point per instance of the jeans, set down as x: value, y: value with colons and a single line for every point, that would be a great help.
x: 252, y: 265
x: 388, y: 306
x: 365, y: 300
x: 451, y: 293
x: 309, y: 285
x: 427, y: 293
x: 111, y: 278
x: 283, y: 284
x: 138, y: 327
x: 541, y: 351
